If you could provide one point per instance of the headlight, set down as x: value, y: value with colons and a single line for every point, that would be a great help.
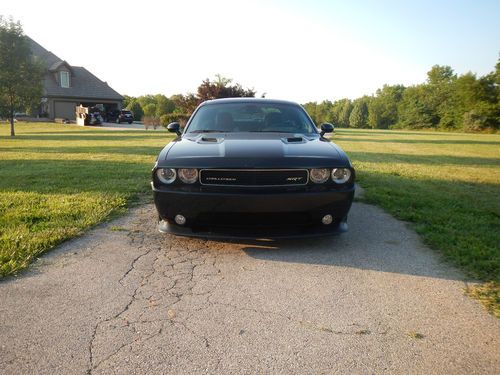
x: 166, y: 175
x: 319, y: 176
x: 341, y: 175
x: 188, y: 176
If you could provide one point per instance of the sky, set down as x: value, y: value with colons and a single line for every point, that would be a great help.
x: 303, y: 51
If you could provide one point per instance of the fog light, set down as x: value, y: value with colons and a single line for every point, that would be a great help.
x: 180, y: 220
x: 327, y: 219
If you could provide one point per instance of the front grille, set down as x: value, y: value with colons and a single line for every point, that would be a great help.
x: 254, y: 177
x: 254, y: 220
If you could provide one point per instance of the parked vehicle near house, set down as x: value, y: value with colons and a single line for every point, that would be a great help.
x: 125, y: 116
x: 96, y: 118
x: 246, y: 167
x: 120, y: 116
x: 112, y: 115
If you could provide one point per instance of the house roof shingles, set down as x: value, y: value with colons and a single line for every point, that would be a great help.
x: 84, y: 85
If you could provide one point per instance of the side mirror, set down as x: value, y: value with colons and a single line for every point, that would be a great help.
x: 174, y: 127
x: 326, y: 128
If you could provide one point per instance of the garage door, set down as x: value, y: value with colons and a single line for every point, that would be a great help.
x: 64, y: 110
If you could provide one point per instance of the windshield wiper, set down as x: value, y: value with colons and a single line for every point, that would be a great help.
x: 210, y: 131
x: 269, y: 131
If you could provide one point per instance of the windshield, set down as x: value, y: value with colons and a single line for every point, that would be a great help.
x: 251, y: 117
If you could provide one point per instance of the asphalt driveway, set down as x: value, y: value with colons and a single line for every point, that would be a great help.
x: 126, y: 126
x: 126, y: 299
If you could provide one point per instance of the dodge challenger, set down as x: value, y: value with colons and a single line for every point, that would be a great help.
x: 253, y: 168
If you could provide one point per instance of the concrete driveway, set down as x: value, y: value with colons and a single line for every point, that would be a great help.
x: 125, y: 299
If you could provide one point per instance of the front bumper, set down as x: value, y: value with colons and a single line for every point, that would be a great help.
x: 253, y: 214
x: 275, y: 233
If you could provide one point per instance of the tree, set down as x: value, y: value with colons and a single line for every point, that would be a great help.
x: 222, y: 88
x: 310, y: 108
x: 375, y: 111
x: 185, y: 104
x: 439, y: 75
x: 163, y: 105
x: 324, y: 112
x: 383, y: 107
x: 20, y: 74
x: 416, y: 109
x: 345, y: 113
x: 136, y: 109
x: 359, y: 114
x: 127, y: 100
x: 440, y: 90
x: 336, y: 110
x: 477, y: 102
x: 144, y: 100
x: 150, y: 110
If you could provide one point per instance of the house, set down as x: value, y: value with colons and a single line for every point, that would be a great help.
x: 65, y: 87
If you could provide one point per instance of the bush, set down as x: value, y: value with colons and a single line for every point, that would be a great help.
x: 474, y: 122
x: 174, y: 117
x: 150, y: 121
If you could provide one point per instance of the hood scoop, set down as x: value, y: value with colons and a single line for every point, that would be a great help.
x: 293, y: 140
x: 211, y: 140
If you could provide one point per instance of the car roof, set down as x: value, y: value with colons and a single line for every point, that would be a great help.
x: 247, y: 100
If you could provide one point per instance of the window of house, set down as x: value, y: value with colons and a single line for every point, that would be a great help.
x: 64, y: 78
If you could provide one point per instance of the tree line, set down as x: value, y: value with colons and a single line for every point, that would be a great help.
x: 444, y: 102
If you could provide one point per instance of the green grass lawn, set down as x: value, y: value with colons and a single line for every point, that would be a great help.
x: 58, y: 180
x: 446, y: 184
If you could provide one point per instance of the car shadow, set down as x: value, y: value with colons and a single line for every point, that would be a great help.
x: 375, y: 241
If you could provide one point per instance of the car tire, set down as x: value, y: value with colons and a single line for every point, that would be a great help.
x: 129, y: 122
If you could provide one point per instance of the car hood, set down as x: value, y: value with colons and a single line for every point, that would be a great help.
x: 252, y: 150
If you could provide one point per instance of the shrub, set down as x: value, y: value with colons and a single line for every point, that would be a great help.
x: 474, y: 122
x: 174, y: 117
x: 150, y: 121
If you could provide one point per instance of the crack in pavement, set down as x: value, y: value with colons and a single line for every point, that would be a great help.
x: 173, y: 265
x: 322, y: 328
x: 305, y: 323
x: 133, y: 237
x: 125, y: 345
x: 201, y: 337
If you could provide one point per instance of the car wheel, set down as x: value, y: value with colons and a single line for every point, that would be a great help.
x: 130, y: 122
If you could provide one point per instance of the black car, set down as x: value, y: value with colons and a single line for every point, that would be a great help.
x: 246, y: 167
x: 120, y: 116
